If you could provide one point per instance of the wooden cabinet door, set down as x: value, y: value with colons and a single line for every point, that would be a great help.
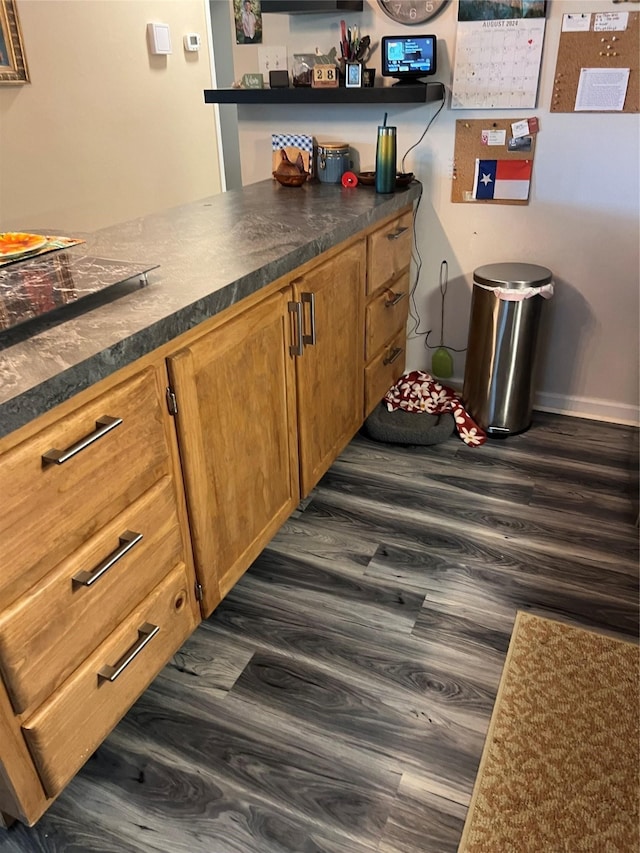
x: 330, y: 371
x: 235, y: 392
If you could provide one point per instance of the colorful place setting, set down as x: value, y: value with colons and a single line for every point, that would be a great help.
x: 21, y: 245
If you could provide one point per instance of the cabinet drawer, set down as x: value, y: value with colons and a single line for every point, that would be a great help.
x: 53, y: 628
x: 389, y: 251
x: 49, y: 509
x: 385, y: 369
x: 386, y: 314
x: 65, y: 731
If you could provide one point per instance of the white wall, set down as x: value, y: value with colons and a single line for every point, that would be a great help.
x: 582, y: 221
x: 105, y: 132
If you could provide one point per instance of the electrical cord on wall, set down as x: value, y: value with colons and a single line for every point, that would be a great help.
x: 415, y: 332
x: 424, y: 133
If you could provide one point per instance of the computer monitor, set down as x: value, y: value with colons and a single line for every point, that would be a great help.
x: 408, y: 58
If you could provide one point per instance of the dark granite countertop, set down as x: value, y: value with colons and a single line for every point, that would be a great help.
x: 211, y: 254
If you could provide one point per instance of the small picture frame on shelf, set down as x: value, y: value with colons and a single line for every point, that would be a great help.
x: 368, y: 77
x: 353, y: 75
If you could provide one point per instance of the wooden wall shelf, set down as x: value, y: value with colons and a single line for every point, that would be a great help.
x: 415, y: 93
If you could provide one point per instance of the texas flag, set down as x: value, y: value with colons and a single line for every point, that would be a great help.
x: 502, y: 179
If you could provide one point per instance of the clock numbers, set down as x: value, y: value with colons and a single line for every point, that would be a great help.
x: 411, y: 11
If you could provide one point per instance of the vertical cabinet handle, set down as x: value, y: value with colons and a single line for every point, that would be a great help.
x: 146, y: 633
x: 394, y: 298
x: 103, y: 426
x: 397, y: 233
x: 127, y: 541
x: 310, y: 300
x: 395, y: 353
x: 295, y: 308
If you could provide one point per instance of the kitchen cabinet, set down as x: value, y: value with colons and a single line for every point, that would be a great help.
x: 133, y: 508
x: 235, y: 390
x: 97, y: 573
x: 68, y: 728
x: 329, y: 373
x: 266, y: 400
x: 387, y: 306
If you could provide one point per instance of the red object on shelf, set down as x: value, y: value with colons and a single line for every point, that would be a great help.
x: 349, y: 179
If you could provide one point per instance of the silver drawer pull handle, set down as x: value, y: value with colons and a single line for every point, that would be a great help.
x: 146, y: 633
x: 103, y: 426
x: 310, y: 300
x: 397, y: 233
x: 393, y: 355
x: 395, y: 298
x: 127, y: 541
x: 295, y: 308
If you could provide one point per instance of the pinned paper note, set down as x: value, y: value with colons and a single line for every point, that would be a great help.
x: 576, y: 23
x: 493, y: 137
x: 611, y: 22
x: 522, y: 143
x: 524, y: 127
x: 602, y: 89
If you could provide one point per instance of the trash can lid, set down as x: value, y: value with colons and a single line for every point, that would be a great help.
x: 512, y: 276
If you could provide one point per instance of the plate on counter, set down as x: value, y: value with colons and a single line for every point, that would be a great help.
x: 15, y: 243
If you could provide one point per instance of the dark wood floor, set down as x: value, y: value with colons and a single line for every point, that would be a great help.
x: 338, y: 699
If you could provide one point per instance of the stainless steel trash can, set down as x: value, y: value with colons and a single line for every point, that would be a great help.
x: 499, y: 372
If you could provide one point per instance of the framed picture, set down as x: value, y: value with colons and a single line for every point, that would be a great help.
x: 353, y: 75
x: 248, y: 21
x: 13, y: 65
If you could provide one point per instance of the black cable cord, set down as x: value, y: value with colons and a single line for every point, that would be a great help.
x: 415, y: 253
x: 429, y: 346
x: 417, y: 259
x: 424, y: 133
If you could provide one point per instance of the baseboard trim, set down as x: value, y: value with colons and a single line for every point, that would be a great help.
x: 591, y: 408
x: 588, y: 407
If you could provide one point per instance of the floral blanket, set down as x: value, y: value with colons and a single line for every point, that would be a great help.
x: 417, y: 391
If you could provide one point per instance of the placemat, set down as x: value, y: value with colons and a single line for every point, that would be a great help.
x: 52, y: 245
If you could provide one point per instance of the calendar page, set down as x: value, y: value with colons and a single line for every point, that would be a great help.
x: 497, y: 63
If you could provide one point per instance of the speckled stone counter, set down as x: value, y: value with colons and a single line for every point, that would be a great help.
x: 211, y: 254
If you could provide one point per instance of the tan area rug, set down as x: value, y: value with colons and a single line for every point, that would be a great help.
x: 560, y: 766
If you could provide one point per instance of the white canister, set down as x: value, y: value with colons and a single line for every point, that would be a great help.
x: 332, y: 161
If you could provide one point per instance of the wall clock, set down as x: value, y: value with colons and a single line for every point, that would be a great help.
x: 412, y: 11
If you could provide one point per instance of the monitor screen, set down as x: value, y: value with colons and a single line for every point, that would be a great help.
x: 408, y: 57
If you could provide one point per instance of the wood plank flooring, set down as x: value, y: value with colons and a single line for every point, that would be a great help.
x: 337, y: 701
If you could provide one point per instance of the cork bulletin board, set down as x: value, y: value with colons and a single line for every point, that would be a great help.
x: 472, y: 144
x: 589, y: 42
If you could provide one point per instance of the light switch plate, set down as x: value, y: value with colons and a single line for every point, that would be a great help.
x: 159, y: 38
x: 271, y: 59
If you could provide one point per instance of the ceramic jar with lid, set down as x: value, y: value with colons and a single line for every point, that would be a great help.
x: 332, y: 161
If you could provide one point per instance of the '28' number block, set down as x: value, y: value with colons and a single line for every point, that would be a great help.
x: 324, y: 76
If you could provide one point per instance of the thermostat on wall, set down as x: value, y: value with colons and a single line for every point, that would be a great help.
x: 159, y: 38
x: 192, y: 41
